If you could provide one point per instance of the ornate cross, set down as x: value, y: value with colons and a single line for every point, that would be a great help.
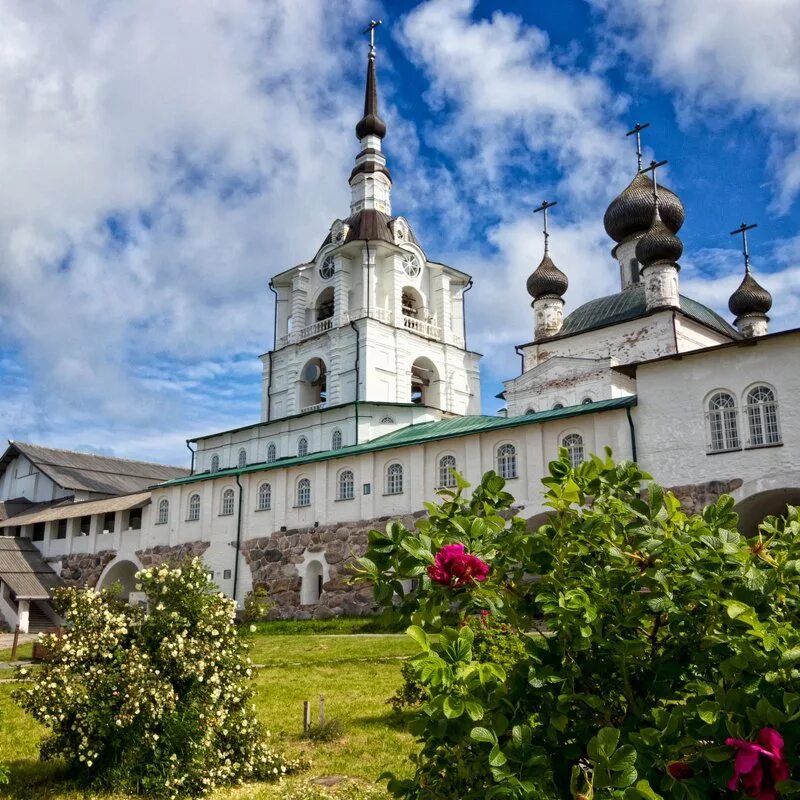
x: 654, y: 165
x: 543, y: 207
x: 742, y: 229
x: 370, y: 29
x: 637, y: 130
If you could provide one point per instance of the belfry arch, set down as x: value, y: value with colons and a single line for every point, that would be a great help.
x: 122, y: 571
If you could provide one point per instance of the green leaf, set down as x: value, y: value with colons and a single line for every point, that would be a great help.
x: 623, y: 759
x: 483, y: 735
x: 708, y: 711
x: 496, y: 757
x: 607, y: 740
x: 453, y: 707
x: 642, y: 791
x: 790, y: 656
x: 474, y: 709
x: 419, y: 636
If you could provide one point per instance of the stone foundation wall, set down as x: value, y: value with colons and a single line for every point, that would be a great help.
x: 276, y: 563
x: 166, y: 554
x: 695, y: 497
x: 84, y: 569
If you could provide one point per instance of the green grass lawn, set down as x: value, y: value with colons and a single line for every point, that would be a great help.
x: 355, y: 673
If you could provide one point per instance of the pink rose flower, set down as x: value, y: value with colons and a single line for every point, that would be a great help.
x: 759, y: 765
x: 453, y: 567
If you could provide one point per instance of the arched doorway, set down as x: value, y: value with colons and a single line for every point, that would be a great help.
x: 121, y: 572
x: 753, y: 509
x: 425, y: 383
x: 325, y: 304
x: 311, y: 589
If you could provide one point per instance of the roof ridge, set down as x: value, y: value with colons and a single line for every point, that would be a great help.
x: 94, y: 455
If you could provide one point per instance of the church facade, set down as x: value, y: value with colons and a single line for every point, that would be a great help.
x: 371, y: 397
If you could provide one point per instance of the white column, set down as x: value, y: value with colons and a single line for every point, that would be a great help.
x: 341, y: 292
x: 442, y: 305
x: 661, y: 285
x: 299, y: 299
x: 23, y: 609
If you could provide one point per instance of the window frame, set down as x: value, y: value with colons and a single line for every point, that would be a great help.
x: 722, y: 423
x: 302, y: 446
x: 445, y: 478
x: 215, y: 463
x: 190, y: 516
x: 163, y: 512
x: 241, y: 462
x: 395, y: 479
x: 580, y: 446
x: 272, y: 453
x: 303, y: 483
x: 503, y: 458
x: 227, y: 493
x: 766, y: 413
x: 261, y: 494
x: 337, y: 440
x: 345, y: 486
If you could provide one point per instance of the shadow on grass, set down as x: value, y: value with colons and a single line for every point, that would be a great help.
x: 31, y: 778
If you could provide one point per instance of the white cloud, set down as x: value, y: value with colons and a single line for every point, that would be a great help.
x: 740, y: 57
x: 214, y: 136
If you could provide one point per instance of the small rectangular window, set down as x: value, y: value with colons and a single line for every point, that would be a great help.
x: 367, y: 488
x: 84, y: 526
x: 226, y: 575
x: 61, y: 529
x: 38, y: 532
x: 135, y: 519
x: 108, y: 522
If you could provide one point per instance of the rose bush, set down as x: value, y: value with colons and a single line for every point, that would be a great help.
x: 154, y: 703
x: 669, y: 662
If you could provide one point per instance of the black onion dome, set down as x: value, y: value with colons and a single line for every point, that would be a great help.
x: 631, y: 211
x: 547, y: 280
x: 659, y: 243
x: 750, y: 298
x: 371, y: 124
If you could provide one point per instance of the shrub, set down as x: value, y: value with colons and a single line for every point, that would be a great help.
x: 331, y: 730
x: 154, y: 703
x: 256, y: 605
x: 669, y: 666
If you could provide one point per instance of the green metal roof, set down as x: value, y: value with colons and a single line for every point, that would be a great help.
x: 630, y: 304
x: 419, y: 434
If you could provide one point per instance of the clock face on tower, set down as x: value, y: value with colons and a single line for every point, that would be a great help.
x: 411, y: 265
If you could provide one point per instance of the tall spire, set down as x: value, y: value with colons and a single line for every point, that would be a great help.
x: 371, y: 124
x: 370, y: 181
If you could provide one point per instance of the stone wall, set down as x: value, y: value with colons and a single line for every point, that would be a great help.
x: 162, y: 553
x: 84, y: 569
x: 695, y: 497
x: 277, y: 563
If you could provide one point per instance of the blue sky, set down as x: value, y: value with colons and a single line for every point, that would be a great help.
x: 158, y: 162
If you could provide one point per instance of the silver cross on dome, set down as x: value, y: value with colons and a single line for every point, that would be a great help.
x: 742, y: 229
x: 370, y: 29
x: 654, y: 165
x: 546, y: 204
x: 637, y: 131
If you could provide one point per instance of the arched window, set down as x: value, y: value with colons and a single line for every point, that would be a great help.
x: 303, y: 492
x: 530, y: 410
x: 762, y: 416
x: 394, y: 479
x: 446, y: 477
x: 215, y: 463
x: 302, y: 446
x: 507, y: 461
x: 347, y: 485
x: 264, y: 497
x: 722, y: 422
x: 336, y: 440
x: 587, y: 401
x: 387, y: 421
x: 557, y: 406
x: 574, y: 444
x: 194, y: 508
x: 226, y: 506
x: 242, y: 458
x: 272, y: 453
x: 163, y: 511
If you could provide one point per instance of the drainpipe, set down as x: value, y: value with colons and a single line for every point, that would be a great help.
x: 518, y: 351
x: 633, y: 432
x: 238, y: 540
x: 274, y: 345
x: 464, y: 310
x: 358, y: 371
x: 191, y: 471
